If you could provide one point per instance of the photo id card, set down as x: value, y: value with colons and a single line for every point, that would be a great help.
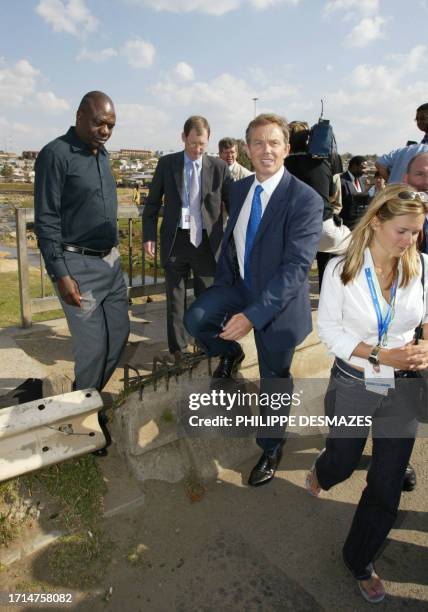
x: 185, y: 218
x: 381, y: 381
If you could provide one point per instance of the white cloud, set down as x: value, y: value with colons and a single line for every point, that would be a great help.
x: 366, y: 31
x: 17, y: 82
x: 14, y: 126
x: 265, y: 4
x: 137, y: 124
x: 139, y: 53
x: 184, y: 71
x: 96, y: 56
x: 216, y: 7
x: 378, y: 101
x: 370, y: 26
x: 18, y: 88
x: 363, y: 7
x: 71, y: 16
x: 226, y: 101
x: 50, y: 103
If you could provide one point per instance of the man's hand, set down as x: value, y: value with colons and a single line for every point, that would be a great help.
x: 69, y: 290
x: 149, y: 248
x: 236, y: 328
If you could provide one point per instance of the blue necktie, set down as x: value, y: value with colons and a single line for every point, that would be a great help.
x: 252, y: 227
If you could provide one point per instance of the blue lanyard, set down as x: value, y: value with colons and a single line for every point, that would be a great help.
x: 382, y: 323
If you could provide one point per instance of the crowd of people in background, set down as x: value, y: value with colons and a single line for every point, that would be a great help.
x: 249, y: 237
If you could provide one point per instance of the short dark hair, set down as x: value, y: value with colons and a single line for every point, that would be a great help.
x: 227, y: 143
x: 266, y: 119
x: 356, y: 160
x: 422, y: 107
x: 197, y: 123
x: 411, y: 162
x: 93, y: 96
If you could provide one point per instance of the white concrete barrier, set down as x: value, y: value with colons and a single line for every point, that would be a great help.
x: 49, y: 430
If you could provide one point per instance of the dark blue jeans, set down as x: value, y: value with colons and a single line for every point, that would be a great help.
x: 377, y: 509
x: 204, y: 321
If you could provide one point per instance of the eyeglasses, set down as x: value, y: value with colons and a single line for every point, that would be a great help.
x: 412, y: 195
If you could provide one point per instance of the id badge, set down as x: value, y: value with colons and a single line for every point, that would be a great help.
x: 381, y: 381
x: 185, y: 218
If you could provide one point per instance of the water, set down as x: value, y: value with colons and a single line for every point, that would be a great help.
x: 33, y: 254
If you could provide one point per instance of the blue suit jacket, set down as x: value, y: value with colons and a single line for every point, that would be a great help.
x: 284, y: 249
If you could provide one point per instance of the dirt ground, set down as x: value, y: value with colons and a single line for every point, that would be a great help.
x: 237, y: 549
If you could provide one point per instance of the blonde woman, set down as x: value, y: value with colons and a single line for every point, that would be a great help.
x: 372, y: 300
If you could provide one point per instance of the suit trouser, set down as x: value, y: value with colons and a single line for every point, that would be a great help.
x: 205, y: 319
x: 100, y: 327
x: 377, y: 508
x: 185, y: 258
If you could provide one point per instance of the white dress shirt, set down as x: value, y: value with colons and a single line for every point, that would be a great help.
x: 187, y: 170
x: 240, y: 230
x: 354, y: 178
x: 346, y: 314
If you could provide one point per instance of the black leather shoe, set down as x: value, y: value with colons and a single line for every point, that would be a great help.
x: 409, y: 482
x: 228, y: 365
x: 265, y: 468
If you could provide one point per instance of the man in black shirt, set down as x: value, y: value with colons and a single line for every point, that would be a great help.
x: 76, y: 226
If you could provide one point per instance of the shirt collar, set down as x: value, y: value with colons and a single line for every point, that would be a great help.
x: 187, y: 160
x: 78, y: 145
x: 270, y: 184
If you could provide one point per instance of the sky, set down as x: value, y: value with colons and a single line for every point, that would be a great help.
x: 164, y: 60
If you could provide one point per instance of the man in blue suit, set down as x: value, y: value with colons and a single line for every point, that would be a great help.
x: 261, y: 282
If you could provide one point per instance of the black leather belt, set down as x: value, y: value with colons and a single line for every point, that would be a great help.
x: 180, y: 229
x: 85, y: 251
x: 353, y: 372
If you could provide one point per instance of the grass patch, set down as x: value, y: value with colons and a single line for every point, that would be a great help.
x: 9, y: 528
x: 168, y: 416
x: 80, y: 558
x: 17, y: 187
x: 9, y: 299
x: 79, y: 487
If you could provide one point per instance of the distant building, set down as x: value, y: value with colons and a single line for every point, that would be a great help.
x: 137, y: 153
x: 29, y: 154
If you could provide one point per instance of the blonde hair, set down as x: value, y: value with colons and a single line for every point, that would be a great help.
x: 385, y: 206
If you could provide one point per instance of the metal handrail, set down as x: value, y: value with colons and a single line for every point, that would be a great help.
x: 31, y: 305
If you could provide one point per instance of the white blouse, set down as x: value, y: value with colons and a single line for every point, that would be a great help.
x: 347, y: 316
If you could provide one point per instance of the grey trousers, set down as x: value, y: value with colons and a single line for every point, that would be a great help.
x: 100, y: 327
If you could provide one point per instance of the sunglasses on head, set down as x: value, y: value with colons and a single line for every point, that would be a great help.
x: 412, y: 195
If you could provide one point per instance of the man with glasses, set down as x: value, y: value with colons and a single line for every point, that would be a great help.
x: 228, y: 152
x: 194, y: 189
